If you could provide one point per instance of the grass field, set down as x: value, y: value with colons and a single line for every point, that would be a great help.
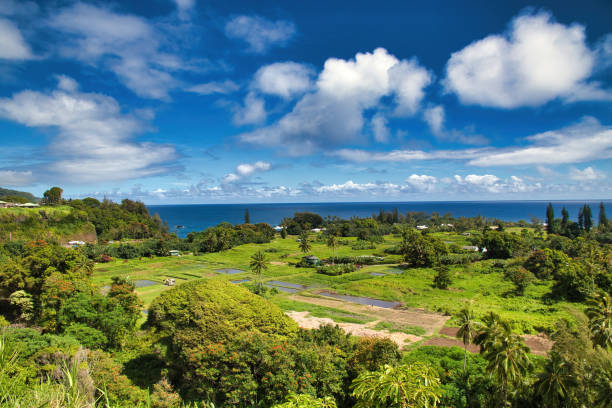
x: 479, y: 284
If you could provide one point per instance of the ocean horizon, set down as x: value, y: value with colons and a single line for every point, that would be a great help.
x: 197, y: 217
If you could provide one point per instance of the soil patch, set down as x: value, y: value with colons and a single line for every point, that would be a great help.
x: 539, y: 344
x: 277, y: 263
x: 304, y: 320
x: 431, y: 322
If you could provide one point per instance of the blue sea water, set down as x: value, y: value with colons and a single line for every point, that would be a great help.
x: 197, y: 217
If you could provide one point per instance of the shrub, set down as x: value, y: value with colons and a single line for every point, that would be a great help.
x: 336, y: 270
x: 443, y: 277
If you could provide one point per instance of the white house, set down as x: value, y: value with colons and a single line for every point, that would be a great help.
x: 422, y: 227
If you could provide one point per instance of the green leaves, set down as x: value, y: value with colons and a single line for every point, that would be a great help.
x: 415, y: 385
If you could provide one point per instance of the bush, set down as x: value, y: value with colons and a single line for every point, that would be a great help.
x: 87, y: 336
x: 336, y: 270
x: 443, y: 277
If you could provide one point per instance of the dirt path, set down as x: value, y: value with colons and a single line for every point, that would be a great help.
x: 431, y: 322
x: 304, y: 320
x: 538, y: 344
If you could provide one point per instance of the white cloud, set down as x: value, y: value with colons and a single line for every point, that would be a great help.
x: 434, y: 116
x: 17, y: 7
x: 12, y: 46
x: 11, y: 178
x: 587, y: 140
x: 246, y: 170
x: 184, y: 7
x: 489, y: 183
x: 333, y: 113
x: 422, y: 183
x: 409, y: 80
x: 260, y: 33
x: 536, y: 61
x: 253, y: 111
x: 224, y: 87
x: 379, y: 128
x: 587, y: 174
x: 350, y: 187
x: 94, y: 140
x: 284, y: 79
x: 128, y: 45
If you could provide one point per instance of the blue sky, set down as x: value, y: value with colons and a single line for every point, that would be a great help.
x: 187, y: 101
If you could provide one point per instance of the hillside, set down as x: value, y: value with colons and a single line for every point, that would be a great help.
x: 14, y: 195
x: 57, y: 224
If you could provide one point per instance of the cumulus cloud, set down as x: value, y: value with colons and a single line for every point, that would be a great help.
x: 13, y: 45
x: 379, y: 128
x: 246, y: 170
x: 492, y: 184
x: 434, y: 116
x: 422, y: 183
x: 333, y: 113
x: 128, y: 45
x: 535, y: 61
x: 260, y: 33
x: 12, y: 178
x: 94, y: 139
x: 357, y: 155
x: 252, y: 112
x: 587, y: 174
x: 223, y: 87
x: 284, y: 79
x: 350, y: 187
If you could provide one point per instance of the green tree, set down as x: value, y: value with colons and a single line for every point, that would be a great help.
x: 443, y: 277
x: 283, y: 232
x: 53, y: 196
x: 307, y: 401
x: 332, y: 243
x: 505, y: 352
x: 599, y: 312
x: 555, y: 381
x: 520, y: 277
x: 258, y: 264
x: 415, y: 385
x: 468, y: 329
x: 603, y: 220
x: 247, y: 216
x: 588, y: 217
x: 304, y: 243
x: 550, y: 219
x: 564, y: 220
x: 420, y: 251
x: 23, y: 302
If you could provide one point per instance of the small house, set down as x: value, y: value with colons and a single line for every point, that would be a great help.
x: 175, y: 252
x: 422, y: 227
x: 169, y: 282
x: 28, y: 205
x: 4, y: 204
x: 312, y: 260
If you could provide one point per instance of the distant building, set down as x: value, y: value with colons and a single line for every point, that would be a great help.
x: 28, y: 205
x: 421, y: 227
x: 312, y: 260
x: 4, y: 204
x: 175, y: 252
x: 169, y: 282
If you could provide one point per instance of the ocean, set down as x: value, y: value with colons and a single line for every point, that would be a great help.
x: 197, y: 217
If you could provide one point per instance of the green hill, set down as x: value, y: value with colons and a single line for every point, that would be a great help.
x: 57, y: 224
x: 15, y: 196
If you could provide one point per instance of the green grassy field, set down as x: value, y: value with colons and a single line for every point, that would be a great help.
x: 479, y: 284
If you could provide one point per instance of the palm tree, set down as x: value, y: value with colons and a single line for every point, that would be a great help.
x: 403, y: 386
x: 505, y: 352
x: 332, y: 243
x: 599, y: 312
x: 304, y: 243
x: 258, y: 264
x: 467, y: 330
x: 554, y: 382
